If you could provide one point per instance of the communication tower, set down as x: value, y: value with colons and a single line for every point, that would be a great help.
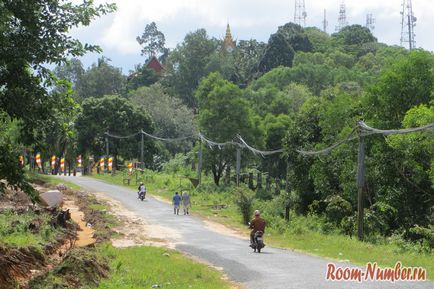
x: 408, y: 23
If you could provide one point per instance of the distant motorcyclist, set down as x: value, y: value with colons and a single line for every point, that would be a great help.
x: 142, y: 191
x: 257, y: 224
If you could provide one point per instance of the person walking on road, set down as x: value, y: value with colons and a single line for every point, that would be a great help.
x: 176, y: 203
x: 186, y: 202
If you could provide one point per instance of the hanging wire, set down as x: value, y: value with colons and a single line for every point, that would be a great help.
x: 212, y: 144
x: 327, y: 150
x: 167, y: 139
x: 121, y: 137
x: 256, y: 151
x: 367, y: 130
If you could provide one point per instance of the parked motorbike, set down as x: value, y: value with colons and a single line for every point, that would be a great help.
x: 258, y: 241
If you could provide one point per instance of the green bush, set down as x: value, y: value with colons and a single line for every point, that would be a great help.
x: 337, y: 209
x: 244, y: 201
x: 380, y: 219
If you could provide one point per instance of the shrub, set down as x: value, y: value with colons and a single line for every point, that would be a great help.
x: 337, y: 209
x: 380, y: 219
x: 244, y: 201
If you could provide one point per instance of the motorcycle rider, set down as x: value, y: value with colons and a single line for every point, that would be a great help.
x: 142, y: 190
x: 257, y: 224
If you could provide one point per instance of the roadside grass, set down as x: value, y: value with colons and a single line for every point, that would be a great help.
x: 220, y: 207
x: 33, y: 176
x: 14, y: 229
x: 143, y: 267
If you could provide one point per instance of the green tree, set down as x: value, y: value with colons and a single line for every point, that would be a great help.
x: 152, y: 40
x: 117, y: 116
x: 186, y: 65
x: 171, y: 117
x: 101, y: 79
x: 278, y: 53
x: 355, y: 39
x: 223, y: 113
x: 33, y: 34
x: 408, y: 82
x: 416, y: 167
x: 247, y: 55
x: 141, y: 76
x: 296, y: 37
x: 71, y: 71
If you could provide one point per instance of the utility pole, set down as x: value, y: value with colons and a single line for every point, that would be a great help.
x: 370, y: 22
x: 408, y: 22
x: 238, y: 165
x: 360, y: 182
x: 342, y: 19
x: 142, y: 150
x: 199, y: 165
x: 325, y: 23
x: 300, y: 13
x: 107, y: 152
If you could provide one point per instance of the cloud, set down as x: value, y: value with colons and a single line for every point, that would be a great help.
x: 257, y: 19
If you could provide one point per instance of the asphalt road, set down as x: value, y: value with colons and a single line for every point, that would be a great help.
x: 272, y: 269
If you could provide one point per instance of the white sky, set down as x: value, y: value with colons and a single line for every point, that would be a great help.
x: 257, y: 19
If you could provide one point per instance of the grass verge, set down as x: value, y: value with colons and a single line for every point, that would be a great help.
x: 144, y: 267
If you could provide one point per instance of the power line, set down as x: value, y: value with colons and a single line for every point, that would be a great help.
x: 364, y: 129
x: 167, y: 139
x: 121, y: 137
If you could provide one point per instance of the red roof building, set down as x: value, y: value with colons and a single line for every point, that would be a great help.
x: 155, y: 65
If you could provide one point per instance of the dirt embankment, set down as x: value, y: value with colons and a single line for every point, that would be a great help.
x: 67, y: 260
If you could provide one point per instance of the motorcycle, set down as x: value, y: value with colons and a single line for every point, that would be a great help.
x: 258, y: 241
x: 141, y: 196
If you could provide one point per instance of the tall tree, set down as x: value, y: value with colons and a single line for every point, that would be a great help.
x: 32, y: 34
x: 223, y: 113
x: 152, y: 40
x: 187, y: 64
x: 101, y: 79
x: 117, y: 116
x: 171, y: 117
x: 278, y: 52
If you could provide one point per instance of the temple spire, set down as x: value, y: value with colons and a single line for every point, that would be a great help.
x: 228, y: 42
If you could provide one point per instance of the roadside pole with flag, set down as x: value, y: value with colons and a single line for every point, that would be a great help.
x: 62, y: 165
x: 101, y: 164
x: 53, y: 164
x: 130, y: 168
x: 38, y: 161
x: 110, y: 164
x: 79, y: 161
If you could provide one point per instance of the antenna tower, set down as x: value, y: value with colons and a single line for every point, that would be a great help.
x: 325, y: 23
x: 342, y: 20
x: 408, y: 23
x: 300, y: 13
x: 370, y: 22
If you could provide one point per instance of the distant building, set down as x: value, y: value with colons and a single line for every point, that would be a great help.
x: 228, y: 43
x: 155, y: 65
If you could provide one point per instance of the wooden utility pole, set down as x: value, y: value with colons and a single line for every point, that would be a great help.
x: 199, y: 164
x: 142, y: 150
x: 360, y: 183
x: 238, y: 165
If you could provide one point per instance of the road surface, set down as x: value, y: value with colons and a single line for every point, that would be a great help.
x: 272, y: 269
